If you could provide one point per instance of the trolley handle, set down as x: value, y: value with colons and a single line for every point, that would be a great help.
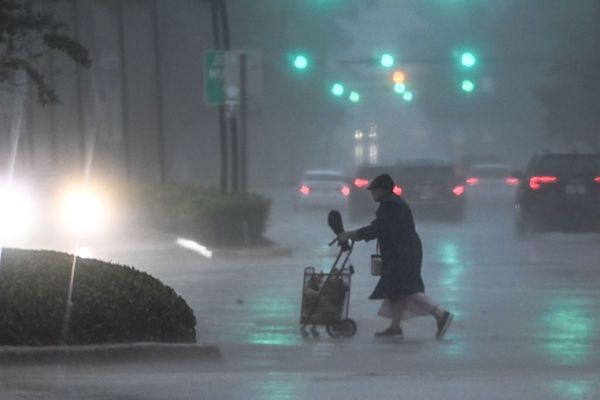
x: 345, y: 245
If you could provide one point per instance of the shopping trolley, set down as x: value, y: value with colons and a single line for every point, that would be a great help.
x: 326, y: 296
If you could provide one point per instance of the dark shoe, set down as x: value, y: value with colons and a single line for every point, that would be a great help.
x: 443, y: 325
x: 389, y: 332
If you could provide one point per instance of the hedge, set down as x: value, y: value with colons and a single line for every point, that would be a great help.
x: 110, y: 303
x: 212, y: 217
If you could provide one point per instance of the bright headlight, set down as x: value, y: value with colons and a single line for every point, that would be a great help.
x: 18, y: 211
x: 84, y: 211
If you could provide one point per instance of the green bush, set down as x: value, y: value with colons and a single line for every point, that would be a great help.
x: 110, y: 303
x: 212, y: 217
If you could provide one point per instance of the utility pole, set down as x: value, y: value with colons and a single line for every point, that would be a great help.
x: 216, y: 13
x: 52, y: 107
x: 79, y: 85
x: 243, y: 129
x: 162, y: 159
x: 124, y: 92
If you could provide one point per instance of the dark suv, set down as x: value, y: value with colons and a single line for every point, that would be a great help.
x: 432, y: 188
x: 559, y: 192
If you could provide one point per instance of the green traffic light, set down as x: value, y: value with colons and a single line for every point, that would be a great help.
x: 468, y: 59
x: 337, y: 89
x: 354, y: 97
x: 387, y: 60
x: 407, y: 96
x: 467, y: 86
x: 300, y: 62
x: 399, y: 88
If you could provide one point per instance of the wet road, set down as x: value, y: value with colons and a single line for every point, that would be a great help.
x: 527, y: 321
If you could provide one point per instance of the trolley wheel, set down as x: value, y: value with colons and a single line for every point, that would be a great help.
x: 315, y: 332
x: 334, y: 328
x: 347, y: 327
x: 304, y: 332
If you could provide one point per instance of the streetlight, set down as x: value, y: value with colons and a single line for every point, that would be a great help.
x: 354, y: 97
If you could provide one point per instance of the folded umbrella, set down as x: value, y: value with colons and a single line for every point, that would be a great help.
x: 334, y: 220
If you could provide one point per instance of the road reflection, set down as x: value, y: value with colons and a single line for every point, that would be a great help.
x: 275, y: 335
x: 569, y: 326
x: 575, y: 389
x: 277, y: 387
x: 452, y: 275
x: 268, y: 307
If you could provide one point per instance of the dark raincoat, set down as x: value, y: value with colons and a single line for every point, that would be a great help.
x: 401, y: 250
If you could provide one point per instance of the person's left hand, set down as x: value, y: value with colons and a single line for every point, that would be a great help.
x: 346, y: 235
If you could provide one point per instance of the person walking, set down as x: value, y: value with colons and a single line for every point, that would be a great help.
x: 400, y: 285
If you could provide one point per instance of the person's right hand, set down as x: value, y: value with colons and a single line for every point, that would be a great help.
x: 347, y: 235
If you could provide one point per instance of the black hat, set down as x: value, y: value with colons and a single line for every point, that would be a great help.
x: 384, y: 181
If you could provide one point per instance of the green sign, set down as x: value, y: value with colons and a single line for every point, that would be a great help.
x: 214, y: 81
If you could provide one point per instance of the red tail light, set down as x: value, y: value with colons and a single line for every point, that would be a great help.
x: 305, y: 190
x: 345, y: 191
x: 472, y: 181
x: 536, y: 182
x: 458, y: 190
x: 397, y: 190
x: 597, y: 179
x: 361, y: 183
x: 511, y: 181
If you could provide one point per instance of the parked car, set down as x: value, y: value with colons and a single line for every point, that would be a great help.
x: 361, y: 203
x: 322, y: 188
x: 559, y: 192
x: 431, y: 187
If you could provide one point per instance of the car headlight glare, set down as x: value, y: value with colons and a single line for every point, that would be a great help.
x: 17, y: 211
x: 84, y: 211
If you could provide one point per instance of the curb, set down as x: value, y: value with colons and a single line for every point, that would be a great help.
x: 134, y: 352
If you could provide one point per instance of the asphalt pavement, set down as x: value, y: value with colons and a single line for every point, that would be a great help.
x: 527, y: 324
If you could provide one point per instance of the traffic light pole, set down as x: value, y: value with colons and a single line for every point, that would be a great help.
x: 243, y: 126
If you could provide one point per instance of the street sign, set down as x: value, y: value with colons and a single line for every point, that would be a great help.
x: 214, y: 82
x: 222, y: 76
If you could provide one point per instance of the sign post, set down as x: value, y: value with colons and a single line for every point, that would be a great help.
x: 229, y: 79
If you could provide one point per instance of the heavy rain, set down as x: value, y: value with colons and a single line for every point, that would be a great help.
x: 169, y: 169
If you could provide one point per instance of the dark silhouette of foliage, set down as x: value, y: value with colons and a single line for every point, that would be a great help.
x: 28, y: 32
x: 110, y: 304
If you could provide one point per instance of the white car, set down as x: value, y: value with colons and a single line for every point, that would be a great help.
x: 322, y: 188
x: 491, y: 181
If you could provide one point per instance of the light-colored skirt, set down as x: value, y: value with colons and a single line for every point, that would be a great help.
x: 407, y: 307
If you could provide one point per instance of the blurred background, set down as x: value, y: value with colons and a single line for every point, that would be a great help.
x: 327, y: 84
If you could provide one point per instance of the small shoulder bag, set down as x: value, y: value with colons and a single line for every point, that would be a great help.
x: 376, y: 264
